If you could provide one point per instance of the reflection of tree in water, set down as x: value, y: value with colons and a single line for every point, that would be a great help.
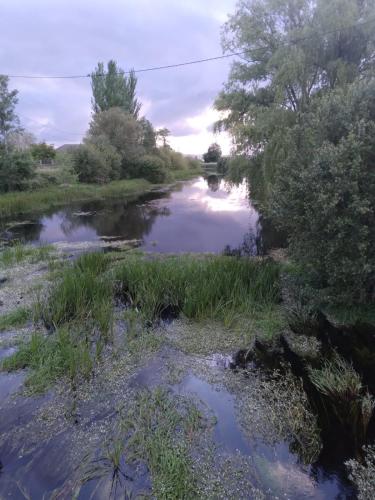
x: 25, y: 232
x: 258, y: 241
x: 128, y: 220
x: 213, y: 182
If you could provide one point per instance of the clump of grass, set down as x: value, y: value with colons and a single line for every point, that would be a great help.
x: 19, y: 253
x: 82, y: 295
x: 64, y: 354
x: 342, y: 386
x: 215, y: 287
x: 15, y: 318
x: 110, y: 463
x: 159, y: 434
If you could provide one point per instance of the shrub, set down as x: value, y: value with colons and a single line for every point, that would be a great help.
x: 151, y: 168
x: 16, y: 169
x: 122, y: 131
x: 325, y: 194
x: 91, y: 164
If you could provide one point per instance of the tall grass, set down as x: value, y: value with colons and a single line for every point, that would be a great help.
x: 82, y: 295
x: 342, y: 386
x: 211, y: 286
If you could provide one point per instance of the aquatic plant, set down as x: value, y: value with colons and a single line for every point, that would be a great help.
x: 154, y: 427
x: 109, y: 464
x: 342, y: 387
x: 206, y: 286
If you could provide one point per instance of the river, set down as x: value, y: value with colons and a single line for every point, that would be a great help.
x: 206, y: 214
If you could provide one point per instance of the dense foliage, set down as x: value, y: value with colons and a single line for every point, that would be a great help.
x: 42, y: 151
x: 15, y: 165
x: 213, y: 154
x: 16, y: 168
x: 111, y: 88
x: 119, y: 144
x: 299, y: 104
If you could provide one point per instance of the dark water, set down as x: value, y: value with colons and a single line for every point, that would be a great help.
x: 206, y: 214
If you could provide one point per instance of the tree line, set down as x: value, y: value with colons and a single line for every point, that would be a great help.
x: 119, y: 143
x: 300, y: 106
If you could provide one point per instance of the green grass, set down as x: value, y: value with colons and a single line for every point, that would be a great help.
x: 82, y: 295
x: 199, y: 287
x: 19, y: 253
x: 160, y: 434
x: 15, y: 318
x: 16, y: 203
x: 50, y: 358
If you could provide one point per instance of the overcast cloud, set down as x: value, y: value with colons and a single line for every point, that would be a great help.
x: 66, y: 37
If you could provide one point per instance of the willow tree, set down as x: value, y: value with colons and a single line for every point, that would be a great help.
x: 292, y: 50
x: 112, y: 88
x: 300, y: 105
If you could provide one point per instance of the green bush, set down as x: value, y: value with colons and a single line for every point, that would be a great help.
x: 150, y: 167
x: 16, y: 169
x: 98, y: 163
x: 325, y: 194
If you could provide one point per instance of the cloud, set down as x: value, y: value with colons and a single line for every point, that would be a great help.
x: 63, y: 37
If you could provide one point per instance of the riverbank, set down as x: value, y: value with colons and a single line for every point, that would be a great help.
x: 18, y: 203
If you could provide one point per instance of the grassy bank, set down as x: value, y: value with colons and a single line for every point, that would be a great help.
x: 17, y: 203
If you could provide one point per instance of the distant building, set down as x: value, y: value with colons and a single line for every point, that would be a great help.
x: 67, y: 148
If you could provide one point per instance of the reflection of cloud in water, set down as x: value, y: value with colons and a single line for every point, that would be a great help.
x: 233, y: 200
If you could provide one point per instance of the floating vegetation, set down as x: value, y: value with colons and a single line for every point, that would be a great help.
x: 363, y: 473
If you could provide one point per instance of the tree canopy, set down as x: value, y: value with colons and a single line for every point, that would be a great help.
x: 298, y: 105
x: 8, y: 119
x: 213, y: 153
x: 112, y: 88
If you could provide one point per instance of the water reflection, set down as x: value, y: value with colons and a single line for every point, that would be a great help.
x: 203, y: 215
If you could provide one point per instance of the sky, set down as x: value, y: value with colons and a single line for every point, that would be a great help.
x: 69, y: 37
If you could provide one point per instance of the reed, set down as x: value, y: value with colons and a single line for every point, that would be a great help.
x: 81, y: 295
x: 210, y: 286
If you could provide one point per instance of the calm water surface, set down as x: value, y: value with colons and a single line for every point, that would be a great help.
x: 202, y: 215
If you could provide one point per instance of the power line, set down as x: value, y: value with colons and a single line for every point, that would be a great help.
x: 199, y: 61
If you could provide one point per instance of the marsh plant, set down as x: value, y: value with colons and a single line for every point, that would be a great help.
x: 109, y: 465
x: 63, y: 354
x: 83, y: 295
x: 341, y: 387
x: 159, y: 429
x: 213, y: 287
x: 19, y: 252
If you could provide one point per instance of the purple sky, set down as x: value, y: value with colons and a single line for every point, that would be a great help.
x: 64, y: 37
